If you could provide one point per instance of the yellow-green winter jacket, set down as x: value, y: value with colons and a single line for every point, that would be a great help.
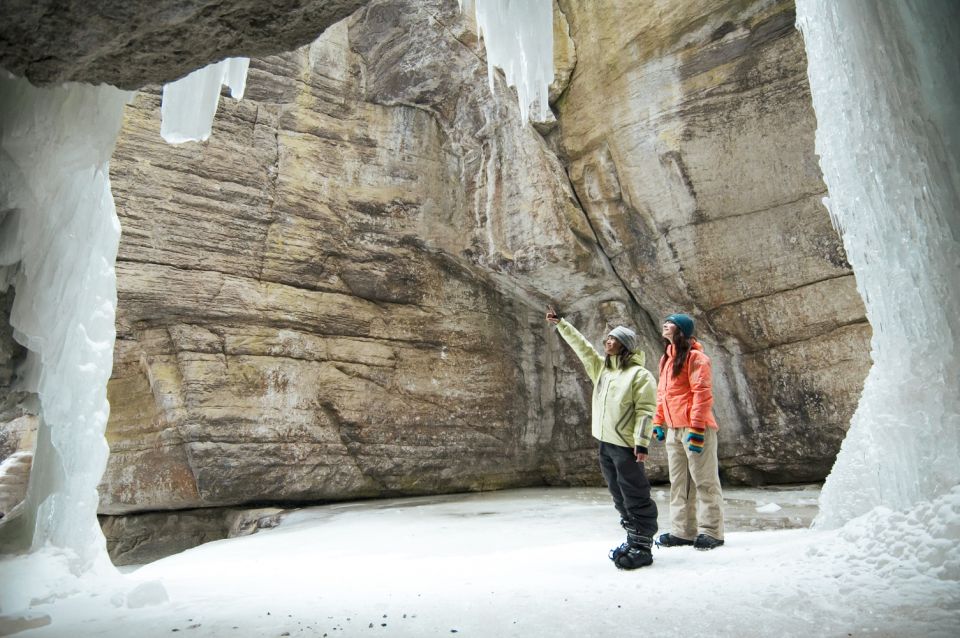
x: 624, y: 399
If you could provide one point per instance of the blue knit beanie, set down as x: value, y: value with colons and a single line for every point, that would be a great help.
x: 684, y: 322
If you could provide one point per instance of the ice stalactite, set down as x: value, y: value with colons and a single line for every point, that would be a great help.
x: 59, y: 238
x: 190, y: 104
x: 883, y: 80
x: 58, y: 247
x: 518, y: 37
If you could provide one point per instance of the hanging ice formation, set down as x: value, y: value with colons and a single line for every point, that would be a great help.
x: 190, y: 104
x: 518, y: 37
x: 883, y: 81
x: 58, y: 243
x: 58, y: 247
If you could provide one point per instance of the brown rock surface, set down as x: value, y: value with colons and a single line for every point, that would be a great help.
x: 132, y: 43
x: 135, y: 539
x: 688, y: 128
x: 340, y: 294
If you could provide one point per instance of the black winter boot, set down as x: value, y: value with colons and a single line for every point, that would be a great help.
x: 705, y: 541
x: 616, y: 552
x: 669, y: 540
x: 638, y: 551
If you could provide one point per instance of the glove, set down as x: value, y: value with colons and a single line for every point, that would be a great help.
x: 695, y: 440
x: 658, y: 433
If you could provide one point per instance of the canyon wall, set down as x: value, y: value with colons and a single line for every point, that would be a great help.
x: 689, y: 134
x: 340, y: 294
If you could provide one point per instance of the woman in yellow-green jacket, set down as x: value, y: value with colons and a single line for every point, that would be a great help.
x: 624, y: 401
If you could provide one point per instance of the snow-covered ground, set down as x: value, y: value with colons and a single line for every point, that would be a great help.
x: 528, y: 563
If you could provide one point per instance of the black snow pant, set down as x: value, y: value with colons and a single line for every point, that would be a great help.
x: 629, y: 488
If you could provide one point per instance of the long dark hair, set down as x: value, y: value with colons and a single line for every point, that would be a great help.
x: 623, y: 359
x: 682, y: 347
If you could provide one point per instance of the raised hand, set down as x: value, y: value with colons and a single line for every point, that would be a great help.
x: 552, y: 315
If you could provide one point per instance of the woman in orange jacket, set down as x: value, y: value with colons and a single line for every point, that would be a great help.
x: 685, y: 419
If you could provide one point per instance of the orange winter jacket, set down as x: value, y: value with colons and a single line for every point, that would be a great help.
x: 685, y: 400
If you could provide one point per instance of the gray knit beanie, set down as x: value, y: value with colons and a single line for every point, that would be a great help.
x: 627, y: 337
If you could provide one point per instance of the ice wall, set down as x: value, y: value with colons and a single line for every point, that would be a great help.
x: 58, y: 240
x: 58, y: 246
x: 190, y: 104
x: 883, y: 76
x: 518, y: 36
x: 59, y: 235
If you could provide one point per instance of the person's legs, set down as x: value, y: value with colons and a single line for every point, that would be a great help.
x: 683, y: 491
x: 635, y: 488
x: 638, y: 511
x: 704, y: 470
x: 608, y: 468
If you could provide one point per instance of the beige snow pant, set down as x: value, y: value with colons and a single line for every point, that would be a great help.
x: 696, y: 502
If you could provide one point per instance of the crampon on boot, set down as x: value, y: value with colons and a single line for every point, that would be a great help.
x: 616, y: 552
x: 638, y: 552
x: 669, y: 540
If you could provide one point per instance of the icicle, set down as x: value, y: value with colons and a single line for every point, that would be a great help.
x: 190, y: 104
x: 518, y: 36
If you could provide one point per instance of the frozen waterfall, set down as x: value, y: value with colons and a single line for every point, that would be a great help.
x: 518, y: 37
x: 59, y: 242
x: 885, y: 91
x: 60, y: 235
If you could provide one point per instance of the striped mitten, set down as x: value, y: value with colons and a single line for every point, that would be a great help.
x: 695, y: 440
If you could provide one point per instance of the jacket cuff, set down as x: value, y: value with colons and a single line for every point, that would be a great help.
x: 643, y: 433
x: 640, y: 449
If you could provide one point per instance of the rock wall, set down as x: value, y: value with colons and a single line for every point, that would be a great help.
x: 131, y: 43
x: 18, y: 407
x: 688, y: 131
x: 136, y: 539
x: 340, y: 294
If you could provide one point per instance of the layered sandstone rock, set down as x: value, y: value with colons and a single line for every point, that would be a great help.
x: 135, y: 539
x: 340, y: 294
x: 688, y: 129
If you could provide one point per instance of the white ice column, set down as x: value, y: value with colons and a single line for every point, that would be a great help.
x: 60, y: 233
x: 883, y: 76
